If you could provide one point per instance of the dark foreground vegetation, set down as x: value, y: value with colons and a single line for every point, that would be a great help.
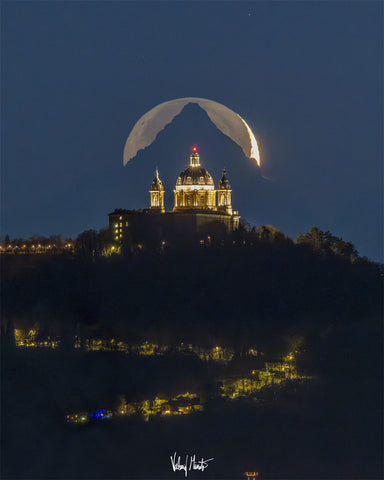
x: 232, y: 294
x: 265, y: 292
x: 328, y: 429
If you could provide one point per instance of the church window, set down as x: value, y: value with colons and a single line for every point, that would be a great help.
x: 188, y: 200
x: 189, y: 180
x: 201, y: 201
x: 201, y: 179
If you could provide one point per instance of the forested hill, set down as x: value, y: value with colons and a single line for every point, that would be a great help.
x: 245, y: 290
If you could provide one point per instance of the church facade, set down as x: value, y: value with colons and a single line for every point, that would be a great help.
x: 199, y: 210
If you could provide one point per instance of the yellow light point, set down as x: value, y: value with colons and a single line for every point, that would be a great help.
x: 19, y: 336
x: 255, y: 154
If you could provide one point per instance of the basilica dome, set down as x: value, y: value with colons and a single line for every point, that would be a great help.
x: 194, y: 175
x: 194, y: 186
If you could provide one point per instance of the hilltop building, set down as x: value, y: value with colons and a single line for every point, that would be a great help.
x: 199, y: 210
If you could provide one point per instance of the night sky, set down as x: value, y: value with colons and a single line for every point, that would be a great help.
x: 306, y: 76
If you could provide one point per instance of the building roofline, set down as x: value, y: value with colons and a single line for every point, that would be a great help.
x: 191, y: 211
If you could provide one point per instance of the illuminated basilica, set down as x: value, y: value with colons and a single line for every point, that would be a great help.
x: 194, y: 190
x: 199, y: 209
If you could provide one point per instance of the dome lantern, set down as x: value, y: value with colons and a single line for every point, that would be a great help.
x: 194, y: 159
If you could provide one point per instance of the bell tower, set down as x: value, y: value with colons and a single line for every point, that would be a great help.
x: 224, y: 202
x: 157, y: 194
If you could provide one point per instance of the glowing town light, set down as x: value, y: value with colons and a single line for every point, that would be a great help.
x: 251, y: 475
x: 254, y: 147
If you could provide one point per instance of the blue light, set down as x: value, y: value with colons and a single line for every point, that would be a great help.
x: 100, y: 414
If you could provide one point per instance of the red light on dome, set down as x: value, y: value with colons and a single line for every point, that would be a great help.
x: 194, y: 149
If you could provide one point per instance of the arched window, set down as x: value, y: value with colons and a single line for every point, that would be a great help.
x: 189, y: 200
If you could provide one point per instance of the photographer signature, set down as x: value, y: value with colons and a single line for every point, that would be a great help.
x: 190, y: 463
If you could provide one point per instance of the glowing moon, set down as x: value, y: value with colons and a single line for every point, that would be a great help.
x: 226, y: 120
